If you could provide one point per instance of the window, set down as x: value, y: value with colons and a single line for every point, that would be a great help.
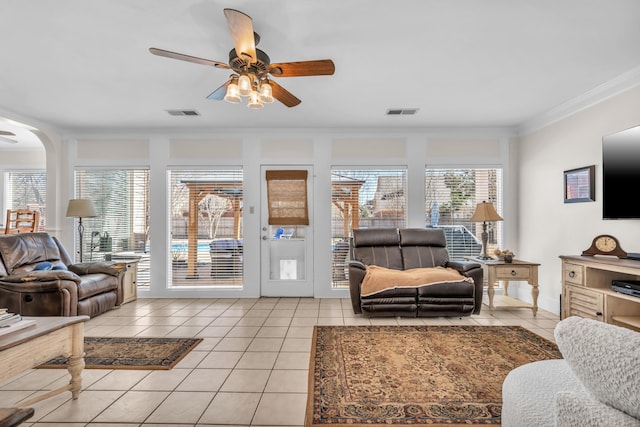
x: 27, y: 189
x: 450, y: 200
x: 121, y: 229
x: 206, y: 228
x: 363, y: 198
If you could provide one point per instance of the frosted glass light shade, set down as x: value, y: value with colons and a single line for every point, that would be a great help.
x: 254, y: 101
x: 266, y: 93
x: 244, y: 84
x: 233, y: 93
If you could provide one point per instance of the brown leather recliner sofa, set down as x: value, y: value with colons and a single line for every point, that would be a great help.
x: 403, y: 249
x: 37, y: 278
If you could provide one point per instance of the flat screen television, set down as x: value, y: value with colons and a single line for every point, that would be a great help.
x: 621, y: 174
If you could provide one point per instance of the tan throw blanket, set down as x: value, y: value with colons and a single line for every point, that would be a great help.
x: 378, y: 279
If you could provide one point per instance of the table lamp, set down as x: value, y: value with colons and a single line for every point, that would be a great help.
x: 81, y: 208
x: 485, y: 212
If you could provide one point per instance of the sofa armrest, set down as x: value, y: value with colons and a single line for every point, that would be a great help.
x: 357, y: 270
x: 107, y: 267
x: 463, y: 266
x: 474, y: 270
x: 604, y: 357
x: 574, y: 409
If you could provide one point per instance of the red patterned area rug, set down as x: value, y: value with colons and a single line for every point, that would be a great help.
x: 415, y: 375
x: 131, y: 353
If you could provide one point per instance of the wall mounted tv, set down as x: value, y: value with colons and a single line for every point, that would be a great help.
x: 621, y: 174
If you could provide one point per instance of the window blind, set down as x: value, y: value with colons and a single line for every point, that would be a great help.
x: 287, y: 197
x: 451, y: 196
x: 206, y: 228
x: 27, y: 189
x: 121, y: 229
x: 363, y: 198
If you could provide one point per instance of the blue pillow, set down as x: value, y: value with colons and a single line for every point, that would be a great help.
x: 59, y: 267
x: 46, y: 265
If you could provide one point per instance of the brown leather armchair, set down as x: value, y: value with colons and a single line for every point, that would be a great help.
x: 37, y: 278
x: 403, y: 249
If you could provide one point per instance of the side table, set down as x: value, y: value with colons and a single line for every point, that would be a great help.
x: 129, y: 282
x: 518, y: 270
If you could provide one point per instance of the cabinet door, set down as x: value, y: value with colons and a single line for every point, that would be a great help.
x: 583, y: 302
x: 129, y: 285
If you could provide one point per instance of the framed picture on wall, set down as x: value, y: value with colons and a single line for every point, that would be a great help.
x: 579, y: 185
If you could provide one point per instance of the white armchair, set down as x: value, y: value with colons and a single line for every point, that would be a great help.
x: 596, y: 384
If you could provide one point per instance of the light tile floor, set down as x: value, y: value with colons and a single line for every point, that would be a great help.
x: 250, y: 370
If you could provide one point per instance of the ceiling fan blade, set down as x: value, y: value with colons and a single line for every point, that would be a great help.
x: 241, y: 27
x: 5, y: 132
x: 10, y: 141
x: 321, y: 67
x: 283, y: 95
x: 218, y: 94
x: 188, y: 58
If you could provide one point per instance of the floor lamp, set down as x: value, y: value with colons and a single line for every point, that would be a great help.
x: 485, y: 212
x: 81, y: 208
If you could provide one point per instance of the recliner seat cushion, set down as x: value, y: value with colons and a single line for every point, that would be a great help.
x: 378, y: 279
x: 94, y: 284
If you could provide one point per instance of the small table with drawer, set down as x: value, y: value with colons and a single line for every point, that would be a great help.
x: 498, y: 270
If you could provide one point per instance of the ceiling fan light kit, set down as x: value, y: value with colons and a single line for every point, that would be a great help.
x: 252, y: 67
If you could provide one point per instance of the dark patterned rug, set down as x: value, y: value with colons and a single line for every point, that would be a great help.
x: 131, y: 353
x: 415, y: 375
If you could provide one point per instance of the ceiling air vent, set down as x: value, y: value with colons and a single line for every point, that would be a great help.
x: 183, y: 113
x: 402, y: 111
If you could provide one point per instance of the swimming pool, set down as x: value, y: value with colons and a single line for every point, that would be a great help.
x: 183, y: 247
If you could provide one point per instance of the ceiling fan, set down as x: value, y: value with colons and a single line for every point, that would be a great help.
x: 4, y: 133
x: 252, y: 67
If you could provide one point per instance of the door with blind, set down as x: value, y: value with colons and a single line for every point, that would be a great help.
x: 286, y: 248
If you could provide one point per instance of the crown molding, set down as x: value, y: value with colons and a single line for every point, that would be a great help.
x: 613, y: 87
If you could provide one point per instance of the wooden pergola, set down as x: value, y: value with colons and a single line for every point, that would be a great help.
x: 344, y: 195
x: 345, y: 192
x: 198, y: 190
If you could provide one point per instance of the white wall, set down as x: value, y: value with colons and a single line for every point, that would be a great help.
x: 547, y: 226
x: 320, y: 148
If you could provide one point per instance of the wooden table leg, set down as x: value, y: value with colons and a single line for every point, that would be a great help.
x: 534, y: 297
x: 490, y: 287
x: 76, y: 360
x: 534, y: 289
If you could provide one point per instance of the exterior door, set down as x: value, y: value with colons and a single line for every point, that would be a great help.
x: 286, y: 250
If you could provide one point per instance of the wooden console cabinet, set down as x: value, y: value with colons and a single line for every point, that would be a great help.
x: 586, y: 289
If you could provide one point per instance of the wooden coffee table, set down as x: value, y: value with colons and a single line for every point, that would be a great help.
x: 50, y: 337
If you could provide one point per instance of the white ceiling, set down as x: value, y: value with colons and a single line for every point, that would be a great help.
x: 77, y: 65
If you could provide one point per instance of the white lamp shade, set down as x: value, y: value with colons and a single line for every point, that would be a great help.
x: 82, y: 208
